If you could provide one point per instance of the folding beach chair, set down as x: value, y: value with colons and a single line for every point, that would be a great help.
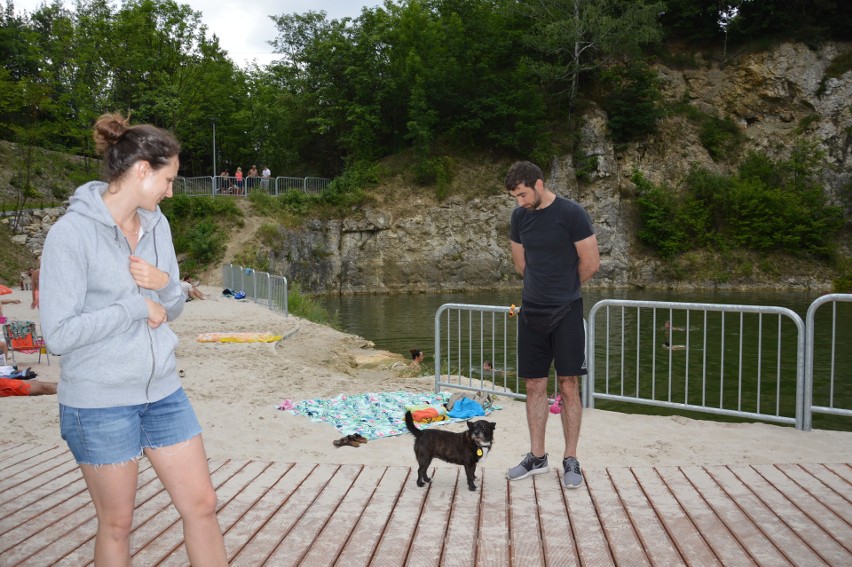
x: 21, y: 336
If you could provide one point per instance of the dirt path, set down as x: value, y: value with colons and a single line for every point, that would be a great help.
x: 236, y: 242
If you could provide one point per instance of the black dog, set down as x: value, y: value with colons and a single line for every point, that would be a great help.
x: 464, y: 448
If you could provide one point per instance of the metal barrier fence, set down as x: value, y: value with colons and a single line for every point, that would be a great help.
x: 260, y: 287
x: 831, y: 387
x: 759, y: 376
x: 476, y: 334
x: 745, y: 361
x: 221, y: 185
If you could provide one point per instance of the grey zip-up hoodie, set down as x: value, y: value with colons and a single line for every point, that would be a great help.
x: 94, y: 314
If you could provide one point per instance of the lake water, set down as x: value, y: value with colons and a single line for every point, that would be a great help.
x: 400, y: 322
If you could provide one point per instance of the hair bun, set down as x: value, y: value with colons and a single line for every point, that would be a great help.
x: 109, y: 130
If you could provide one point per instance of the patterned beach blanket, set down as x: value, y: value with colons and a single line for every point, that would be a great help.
x: 374, y: 415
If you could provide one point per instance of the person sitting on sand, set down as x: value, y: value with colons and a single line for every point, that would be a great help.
x: 11, y: 387
x: 189, y: 290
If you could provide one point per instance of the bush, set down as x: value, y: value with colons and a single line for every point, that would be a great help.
x: 769, y: 205
x: 720, y: 137
x: 658, y: 212
x: 347, y: 189
x: 199, y: 227
x: 632, y: 101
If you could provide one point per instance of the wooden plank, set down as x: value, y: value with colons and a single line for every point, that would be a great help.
x: 811, y: 500
x: 655, y: 539
x: 31, y: 503
x: 615, y: 529
x: 759, y: 547
x: 33, y: 474
x: 429, y: 537
x: 525, y: 545
x: 77, y: 545
x: 814, y: 480
x: 557, y: 530
x: 682, y: 531
x: 462, y: 540
x: 328, y: 544
x: 785, y: 539
x: 394, y: 545
x: 493, y: 521
x: 271, y: 491
x: 301, y: 488
x: 298, y: 540
x: 797, y: 509
x: 725, y: 546
x: 364, y: 539
x: 26, y: 459
x: 829, y: 476
x: 843, y: 470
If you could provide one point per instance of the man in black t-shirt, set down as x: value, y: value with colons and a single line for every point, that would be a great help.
x: 555, y: 250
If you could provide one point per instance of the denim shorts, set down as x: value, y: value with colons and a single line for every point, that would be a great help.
x: 104, y: 436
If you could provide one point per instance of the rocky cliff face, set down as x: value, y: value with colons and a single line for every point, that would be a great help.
x: 461, y: 244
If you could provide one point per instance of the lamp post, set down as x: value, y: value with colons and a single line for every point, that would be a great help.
x: 213, y: 120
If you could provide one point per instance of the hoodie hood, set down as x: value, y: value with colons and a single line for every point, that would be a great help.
x: 88, y: 201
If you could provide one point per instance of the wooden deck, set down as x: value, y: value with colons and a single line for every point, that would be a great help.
x: 305, y: 514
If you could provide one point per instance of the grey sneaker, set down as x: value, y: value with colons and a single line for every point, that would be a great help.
x: 572, y: 478
x: 529, y: 466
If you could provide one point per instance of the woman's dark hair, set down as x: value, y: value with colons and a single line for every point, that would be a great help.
x: 122, y: 145
x: 523, y: 172
x: 415, y: 352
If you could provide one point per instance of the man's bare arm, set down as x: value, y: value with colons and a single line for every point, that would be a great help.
x: 590, y: 259
x: 518, y: 257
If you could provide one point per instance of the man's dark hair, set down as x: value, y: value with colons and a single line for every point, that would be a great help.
x: 523, y: 172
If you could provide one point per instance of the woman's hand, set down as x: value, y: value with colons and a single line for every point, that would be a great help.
x: 147, y: 276
x: 156, y: 314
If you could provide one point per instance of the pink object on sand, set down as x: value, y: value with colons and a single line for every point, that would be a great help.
x: 556, y: 406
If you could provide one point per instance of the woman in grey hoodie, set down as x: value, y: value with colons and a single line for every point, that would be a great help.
x: 109, y: 287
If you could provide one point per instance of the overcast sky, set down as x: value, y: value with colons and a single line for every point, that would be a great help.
x: 243, y: 27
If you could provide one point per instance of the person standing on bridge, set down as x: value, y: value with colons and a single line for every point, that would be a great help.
x: 555, y: 250
x: 110, y: 287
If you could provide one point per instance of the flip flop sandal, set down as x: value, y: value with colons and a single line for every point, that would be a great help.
x: 358, y: 437
x: 348, y: 440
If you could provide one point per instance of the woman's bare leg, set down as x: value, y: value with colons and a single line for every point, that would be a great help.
x: 183, y: 470
x: 113, y: 491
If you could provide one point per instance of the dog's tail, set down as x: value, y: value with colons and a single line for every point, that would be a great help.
x: 409, y: 421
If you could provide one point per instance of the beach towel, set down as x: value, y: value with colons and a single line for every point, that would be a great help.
x: 465, y: 408
x: 238, y: 338
x: 373, y: 415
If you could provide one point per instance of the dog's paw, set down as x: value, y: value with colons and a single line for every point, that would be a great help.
x: 471, y: 487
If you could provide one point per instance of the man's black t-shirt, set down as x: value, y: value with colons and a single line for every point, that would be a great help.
x: 548, y: 235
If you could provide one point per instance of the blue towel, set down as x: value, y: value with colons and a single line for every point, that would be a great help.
x: 465, y: 408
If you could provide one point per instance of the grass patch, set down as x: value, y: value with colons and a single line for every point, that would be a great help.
x: 304, y: 306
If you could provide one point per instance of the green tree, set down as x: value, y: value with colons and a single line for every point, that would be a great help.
x: 578, y: 36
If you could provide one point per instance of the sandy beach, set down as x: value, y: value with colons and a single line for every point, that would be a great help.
x: 235, y: 389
